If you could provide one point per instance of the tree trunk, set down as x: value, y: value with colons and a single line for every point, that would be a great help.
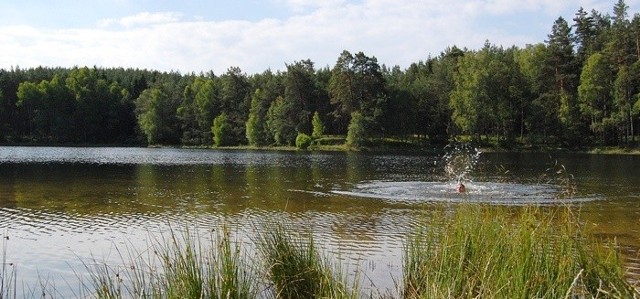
x: 631, y: 126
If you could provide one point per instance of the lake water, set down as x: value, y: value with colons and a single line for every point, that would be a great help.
x: 63, y: 208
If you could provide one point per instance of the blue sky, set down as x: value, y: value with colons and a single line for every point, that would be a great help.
x: 194, y: 36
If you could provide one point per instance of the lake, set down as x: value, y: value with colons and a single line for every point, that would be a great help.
x: 64, y: 208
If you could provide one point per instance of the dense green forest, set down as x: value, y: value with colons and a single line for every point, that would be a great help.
x: 580, y: 87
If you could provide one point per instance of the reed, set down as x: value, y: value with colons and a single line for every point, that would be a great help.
x: 468, y: 251
x: 497, y: 252
x: 7, y: 273
x: 178, y: 266
x: 295, y: 267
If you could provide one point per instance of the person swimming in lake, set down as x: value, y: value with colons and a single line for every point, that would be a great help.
x: 460, y: 188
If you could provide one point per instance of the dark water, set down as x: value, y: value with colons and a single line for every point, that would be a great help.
x: 62, y: 207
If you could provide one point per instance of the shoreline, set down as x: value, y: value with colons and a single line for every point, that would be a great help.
x: 382, y: 148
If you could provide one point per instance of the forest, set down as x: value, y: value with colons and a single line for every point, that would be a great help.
x: 578, y: 88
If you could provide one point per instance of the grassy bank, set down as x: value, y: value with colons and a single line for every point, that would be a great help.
x: 482, y: 252
x: 466, y: 251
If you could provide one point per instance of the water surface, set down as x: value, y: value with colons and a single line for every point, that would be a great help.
x: 62, y: 207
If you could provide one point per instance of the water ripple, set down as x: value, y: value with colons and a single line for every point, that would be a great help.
x: 416, y: 192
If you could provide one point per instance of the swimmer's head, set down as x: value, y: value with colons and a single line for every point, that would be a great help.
x: 460, y: 188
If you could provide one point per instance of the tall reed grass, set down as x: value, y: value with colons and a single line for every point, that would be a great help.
x: 288, y: 265
x: 7, y: 273
x: 468, y: 251
x: 497, y: 252
x: 179, y: 266
x: 296, y: 268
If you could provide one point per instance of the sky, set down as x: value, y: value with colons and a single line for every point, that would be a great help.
x: 202, y: 36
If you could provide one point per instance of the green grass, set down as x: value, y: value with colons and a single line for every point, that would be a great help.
x: 489, y: 252
x: 464, y: 251
x: 296, y: 269
x: 179, y: 266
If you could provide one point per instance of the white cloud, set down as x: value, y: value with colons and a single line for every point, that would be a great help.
x: 303, y: 5
x: 142, y: 19
x: 395, y: 31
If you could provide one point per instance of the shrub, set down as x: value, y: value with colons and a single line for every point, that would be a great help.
x: 303, y: 141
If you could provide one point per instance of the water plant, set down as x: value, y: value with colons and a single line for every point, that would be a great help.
x: 477, y: 251
x: 558, y: 175
x: 462, y: 251
x: 295, y: 267
x: 178, y: 266
x: 7, y: 273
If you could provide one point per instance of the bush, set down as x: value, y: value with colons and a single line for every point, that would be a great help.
x: 303, y: 141
x: 330, y: 140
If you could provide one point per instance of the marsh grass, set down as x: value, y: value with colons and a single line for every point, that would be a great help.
x: 288, y: 265
x: 497, y: 252
x: 296, y: 269
x: 468, y: 251
x: 178, y: 266
x: 8, y: 275
x: 558, y: 175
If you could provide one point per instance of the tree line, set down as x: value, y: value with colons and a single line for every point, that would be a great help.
x: 580, y: 87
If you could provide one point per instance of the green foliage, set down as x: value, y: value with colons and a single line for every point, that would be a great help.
x: 573, y: 87
x: 625, y: 87
x: 281, y: 127
x: 200, y: 103
x: 156, y: 111
x: 330, y: 140
x: 357, y: 134
x: 595, y: 92
x: 357, y: 85
x: 489, y: 252
x: 235, y: 103
x: 423, y: 89
x: 295, y: 266
x: 471, y: 251
x: 182, y: 266
x: 318, y: 126
x: 3, y: 120
x: 303, y: 141
x: 222, y: 131
x: 300, y: 95
x: 488, y: 92
x: 100, y: 106
x: 256, y: 127
x: 254, y: 135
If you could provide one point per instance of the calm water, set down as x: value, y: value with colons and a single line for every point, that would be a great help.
x: 62, y: 207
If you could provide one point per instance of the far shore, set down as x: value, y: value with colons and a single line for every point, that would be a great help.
x: 396, y: 147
